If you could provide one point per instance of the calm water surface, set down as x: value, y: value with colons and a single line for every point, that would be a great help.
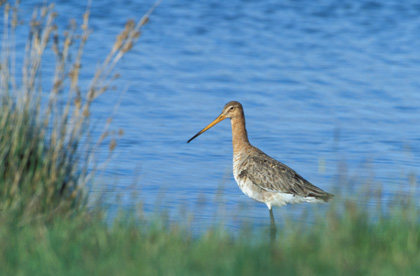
x: 330, y: 88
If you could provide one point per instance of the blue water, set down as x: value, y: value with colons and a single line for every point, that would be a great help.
x: 330, y: 88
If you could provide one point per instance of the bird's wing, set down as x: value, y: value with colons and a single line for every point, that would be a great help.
x: 274, y: 176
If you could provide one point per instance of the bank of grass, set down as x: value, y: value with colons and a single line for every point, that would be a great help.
x: 46, y: 156
x: 345, y: 242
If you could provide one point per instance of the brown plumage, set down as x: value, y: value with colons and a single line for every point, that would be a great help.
x: 274, y: 176
x: 258, y: 175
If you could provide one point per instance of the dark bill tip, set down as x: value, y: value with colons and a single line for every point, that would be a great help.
x: 193, y: 137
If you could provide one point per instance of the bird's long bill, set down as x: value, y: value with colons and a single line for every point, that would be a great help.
x: 217, y: 120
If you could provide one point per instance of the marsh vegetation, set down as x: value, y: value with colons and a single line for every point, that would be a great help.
x: 48, y: 159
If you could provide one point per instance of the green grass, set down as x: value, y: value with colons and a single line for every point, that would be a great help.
x: 46, y: 147
x: 346, y: 243
x: 47, y: 157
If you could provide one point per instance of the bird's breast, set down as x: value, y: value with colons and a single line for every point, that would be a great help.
x: 238, y: 161
x: 244, y: 183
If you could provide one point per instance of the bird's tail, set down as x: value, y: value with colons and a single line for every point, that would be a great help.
x: 326, y: 196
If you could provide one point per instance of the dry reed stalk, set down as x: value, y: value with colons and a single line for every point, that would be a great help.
x: 46, y: 161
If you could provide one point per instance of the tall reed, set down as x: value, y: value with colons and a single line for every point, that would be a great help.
x: 47, y: 153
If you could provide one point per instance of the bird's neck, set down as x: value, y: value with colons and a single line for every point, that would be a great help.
x: 239, y: 135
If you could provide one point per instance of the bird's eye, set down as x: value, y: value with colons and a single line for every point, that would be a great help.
x: 231, y: 108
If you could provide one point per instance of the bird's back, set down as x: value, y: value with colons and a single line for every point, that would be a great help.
x: 272, y: 182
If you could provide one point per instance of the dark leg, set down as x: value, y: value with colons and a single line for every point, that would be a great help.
x: 273, y: 228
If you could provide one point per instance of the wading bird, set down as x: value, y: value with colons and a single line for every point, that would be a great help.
x: 261, y: 177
